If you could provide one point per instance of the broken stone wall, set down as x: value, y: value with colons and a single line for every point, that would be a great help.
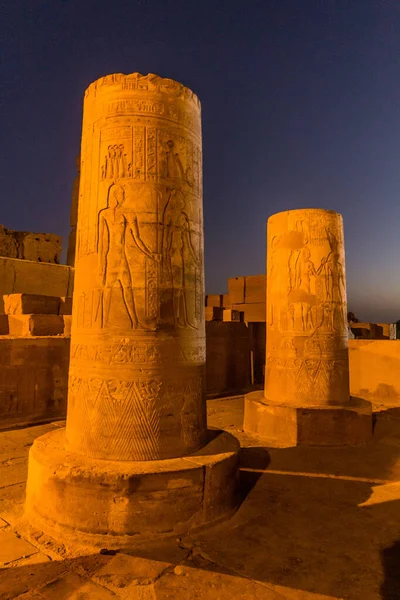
x: 37, y: 247
x: 23, y: 276
x: 34, y: 359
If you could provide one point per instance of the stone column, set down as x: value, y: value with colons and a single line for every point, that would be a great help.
x: 73, y: 218
x: 306, y: 399
x: 136, y: 382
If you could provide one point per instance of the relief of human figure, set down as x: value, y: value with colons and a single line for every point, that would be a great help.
x: 114, y: 225
x: 173, y: 167
x: 305, y: 278
x: 179, y: 256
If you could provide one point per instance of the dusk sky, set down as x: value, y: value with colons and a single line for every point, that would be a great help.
x: 300, y: 107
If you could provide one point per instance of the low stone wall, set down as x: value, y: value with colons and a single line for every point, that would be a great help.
x: 28, y: 277
x: 228, y: 358
x: 33, y: 379
x: 41, y: 247
x: 375, y: 370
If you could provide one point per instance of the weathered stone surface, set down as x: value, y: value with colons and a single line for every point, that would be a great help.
x: 35, y: 325
x: 307, y: 363
x: 4, y: 329
x: 374, y: 370
x: 27, y: 277
x: 231, y: 315
x: 138, y: 323
x: 126, y: 463
x: 307, y: 351
x: 131, y: 498
x: 33, y: 379
x: 228, y: 358
x: 213, y: 313
x: 252, y: 313
x: 40, y: 247
x: 236, y: 290
x: 226, y: 301
x: 73, y: 218
x: 214, y: 300
x: 31, y: 304
x: 66, y: 306
x: 291, y: 425
x: 73, y: 586
x: 67, y: 319
x: 13, y: 547
x: 255, y: 289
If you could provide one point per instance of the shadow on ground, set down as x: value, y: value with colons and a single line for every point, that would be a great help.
x: 314, y: 523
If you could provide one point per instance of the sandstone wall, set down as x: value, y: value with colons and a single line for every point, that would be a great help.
x: 33, y: 380
x: 40, y: 247
x: 375, y: 370
x: 228, y: 358
x: 23, y: 276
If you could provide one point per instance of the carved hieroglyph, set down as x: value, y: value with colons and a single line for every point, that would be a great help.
x: 138, y: 341
x: 307, y: 349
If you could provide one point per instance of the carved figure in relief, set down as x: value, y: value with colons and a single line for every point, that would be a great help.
x: 179, y: 257
x: 113, y: 226
x: 115, y: 163
x: 172, y: 167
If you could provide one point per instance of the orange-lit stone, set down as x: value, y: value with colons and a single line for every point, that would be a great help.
x: 136, y: 416
x: 138, y: 341
x: 307, y: 363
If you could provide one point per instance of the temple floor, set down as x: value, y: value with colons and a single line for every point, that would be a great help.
x: 315, y: 523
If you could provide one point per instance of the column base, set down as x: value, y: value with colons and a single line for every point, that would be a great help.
x: 115, y: 504
x: 285, y: 425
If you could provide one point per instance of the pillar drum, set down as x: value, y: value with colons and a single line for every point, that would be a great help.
x: 136, y: 458
x: 138, y: 338
x: 306, y: 397
x: 307, y: 346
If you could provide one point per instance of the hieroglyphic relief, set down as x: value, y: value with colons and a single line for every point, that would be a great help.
x: 143, y: 403
x: 115, y: 224
x: 306, y: 308
x: 138, y: 327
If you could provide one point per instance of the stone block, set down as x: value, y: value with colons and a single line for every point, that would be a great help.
x: 67, y: 324
x: 33, y: 379
x: 231, y: 315
x: 13, y: 547
x: 65, y: 305
x: 228, y: 358
x: 252, y: 313
x: 284, y: 425
x: 236, y: 290
x: 255, y: 289
x: 375, y: 369
x: 213, y: 313
x: 41, y: 247
x: 226, y: 301
x: 4, y: 329
x: 27, y: 277
x: 31, y: 304
x: 214, y: 300
x: 115, y: 500
x: 35, y: 325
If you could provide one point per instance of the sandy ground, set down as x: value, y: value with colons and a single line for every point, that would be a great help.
x: 315, y: 523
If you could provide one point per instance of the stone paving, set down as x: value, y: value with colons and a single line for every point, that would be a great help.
x: 315, y: 524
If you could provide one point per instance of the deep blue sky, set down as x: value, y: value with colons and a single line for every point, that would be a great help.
x: 301, y: 108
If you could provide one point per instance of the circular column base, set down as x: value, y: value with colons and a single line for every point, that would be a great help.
x: 285, y: 425
x: 116, y: 503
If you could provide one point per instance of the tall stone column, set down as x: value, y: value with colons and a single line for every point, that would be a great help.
x: 306, y: 399
x: 73, y: 217
x: 136, y: 383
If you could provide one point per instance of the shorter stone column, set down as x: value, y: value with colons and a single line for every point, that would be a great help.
x: 306, y: 399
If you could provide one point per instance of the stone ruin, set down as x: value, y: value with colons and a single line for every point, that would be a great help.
x: 136, y: 418
x: 37, y: 247
x: 136, y: 415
